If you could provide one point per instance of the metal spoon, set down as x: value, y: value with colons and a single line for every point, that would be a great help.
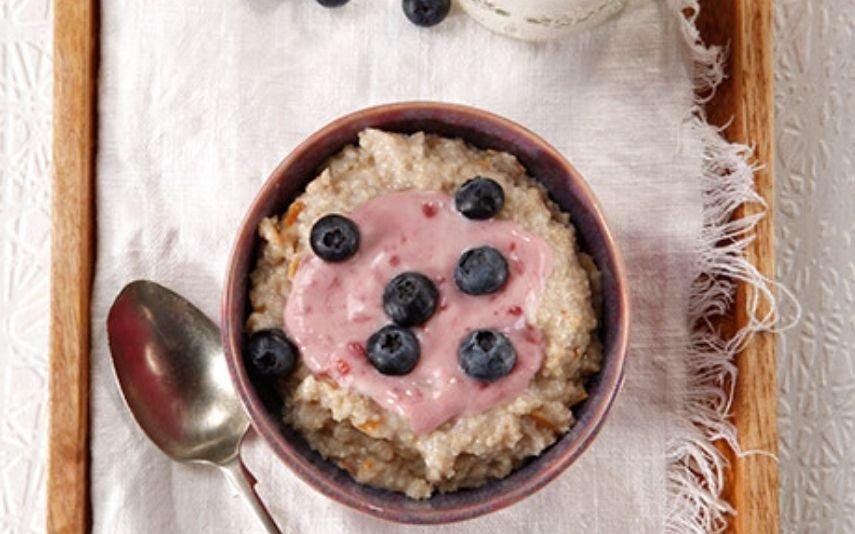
x: 173, y: 374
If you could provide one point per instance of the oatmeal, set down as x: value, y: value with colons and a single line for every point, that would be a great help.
x: 429, y: 426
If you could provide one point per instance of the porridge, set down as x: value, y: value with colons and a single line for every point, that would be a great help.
x: 425, y: 312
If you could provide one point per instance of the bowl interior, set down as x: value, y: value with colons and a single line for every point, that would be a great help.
x: 565, y: 186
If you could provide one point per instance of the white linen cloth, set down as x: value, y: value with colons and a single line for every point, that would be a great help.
x: 200, y: 100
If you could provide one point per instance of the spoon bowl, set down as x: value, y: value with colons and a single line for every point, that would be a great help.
x: 172, y: 371
x: 173, y: 375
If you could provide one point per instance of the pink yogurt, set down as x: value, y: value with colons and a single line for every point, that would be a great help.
x: 334, y: 307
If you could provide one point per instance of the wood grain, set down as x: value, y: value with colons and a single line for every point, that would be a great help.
x: 746, y: 97
x: 72, y: 256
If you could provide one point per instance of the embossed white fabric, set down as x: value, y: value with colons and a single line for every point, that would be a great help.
x: 25, y: 108
x: 200, y: 101
x: 815, y: 257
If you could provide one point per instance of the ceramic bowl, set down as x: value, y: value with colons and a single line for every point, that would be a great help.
x: 539, y: 20
x: 567, y: 188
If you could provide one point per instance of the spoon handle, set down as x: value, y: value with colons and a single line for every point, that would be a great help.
x: 244, y: 482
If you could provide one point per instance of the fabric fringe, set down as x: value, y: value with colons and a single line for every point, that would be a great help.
x: 695, y: 476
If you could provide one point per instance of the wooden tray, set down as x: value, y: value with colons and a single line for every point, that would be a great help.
x: 746, y: 97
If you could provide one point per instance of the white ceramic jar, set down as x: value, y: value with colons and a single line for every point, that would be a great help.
x: 537, y: 20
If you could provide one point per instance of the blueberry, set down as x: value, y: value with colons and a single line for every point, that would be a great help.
x: 410, y: 299
x: 479, y: 198
x: 426, y: 12
x: 334, y: 238
x: 393, y: 350
x: 332, y: 3
x: 480, y: 271
x: 270, y: 353
x: 486, y: 355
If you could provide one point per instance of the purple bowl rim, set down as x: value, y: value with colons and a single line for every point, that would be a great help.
x: 233, y: 323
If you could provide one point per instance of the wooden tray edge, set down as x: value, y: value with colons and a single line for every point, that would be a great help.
x: 746, y: 99
x: 72, y: 262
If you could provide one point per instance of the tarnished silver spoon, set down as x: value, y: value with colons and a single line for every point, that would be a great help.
x: 173, y: 374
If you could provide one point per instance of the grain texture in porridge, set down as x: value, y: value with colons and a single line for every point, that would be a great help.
x: 376, y: 446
